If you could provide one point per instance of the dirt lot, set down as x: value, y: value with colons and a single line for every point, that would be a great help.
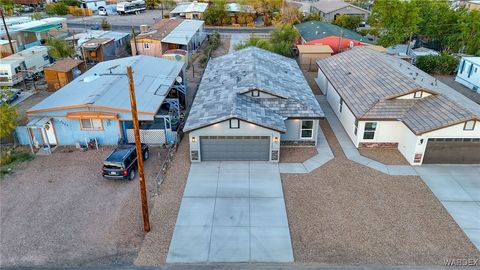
x: 346, y: 213
x: 296, y: 154
x: 164, y: 214
x: 385, y: 156
x: 58, y: 210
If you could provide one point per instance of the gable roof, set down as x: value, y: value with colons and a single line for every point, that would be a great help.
x: 160, y: 29
x: 367, y: 80
x: 189, y: 7
x: 152, y: 84
x: 64, y: 65
x: 226, y: 78
x: 184, y: 32
x: 331, y: 6
x: 316, y: 30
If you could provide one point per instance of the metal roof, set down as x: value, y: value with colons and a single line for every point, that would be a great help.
x: 189, y: 7
x: 153, y: 79
x: 115, y: 35
x: 475, y: 60
x: 184, y: 32
x: 368, y: 82
x: 333, y: 5
x: 221, y: 93
x: 312, y: 30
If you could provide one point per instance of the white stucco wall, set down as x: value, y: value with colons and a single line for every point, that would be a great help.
x: 223, y: 129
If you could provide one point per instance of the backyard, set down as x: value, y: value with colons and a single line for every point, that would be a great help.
x: 58, y: 210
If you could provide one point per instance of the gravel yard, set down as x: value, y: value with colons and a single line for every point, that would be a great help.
x: 58, y: 210
x: 387, y: 156
x: 346, y: 213
x: 296, y: 154
x: 166, y: 205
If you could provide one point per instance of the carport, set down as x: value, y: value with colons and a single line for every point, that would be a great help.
x: 452, y: 151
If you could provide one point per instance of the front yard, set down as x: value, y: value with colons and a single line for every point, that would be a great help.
x: 347, y: 213
x: 58, y: 210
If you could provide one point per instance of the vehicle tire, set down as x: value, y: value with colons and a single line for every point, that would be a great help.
x: 146, y: 155
x: 132, y: 175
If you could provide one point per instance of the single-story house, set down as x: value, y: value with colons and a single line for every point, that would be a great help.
x: 338, y: 38
x: 149, y: 42
x: 236, y: 8
x: 62, y: 72
x: 469, y: 73
x: 248, y: 103
x: 109, y: 46
x: 189, y: 10
x: 187, y: 36
x: 382, y: 101
x: 329, y: 10
x: 96, y: 106
x: 309, y: 54
x: 421, y: 51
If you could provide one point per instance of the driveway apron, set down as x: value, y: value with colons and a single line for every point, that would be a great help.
x: 232, y: 212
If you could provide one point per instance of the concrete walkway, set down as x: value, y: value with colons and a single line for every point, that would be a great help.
x: 324, y: 155
x: 456, y: 186
x: 232, y: 212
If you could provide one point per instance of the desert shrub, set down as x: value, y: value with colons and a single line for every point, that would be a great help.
x: 443, y: 64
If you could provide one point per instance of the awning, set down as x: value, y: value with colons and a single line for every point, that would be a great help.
x: 38, y: 122
x: 92, y: 115
x: 41, y: 28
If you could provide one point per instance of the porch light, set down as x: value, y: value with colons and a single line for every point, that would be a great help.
x: 421, y: 142
x: 275, y: 139
x: 193, y: 139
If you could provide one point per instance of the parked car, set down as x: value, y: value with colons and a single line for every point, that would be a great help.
x: 9, y: 96
x: 122, y: 162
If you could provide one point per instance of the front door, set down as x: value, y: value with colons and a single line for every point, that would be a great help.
x: 50, y: 132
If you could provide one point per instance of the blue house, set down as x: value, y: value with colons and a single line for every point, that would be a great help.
x: 96, y: 106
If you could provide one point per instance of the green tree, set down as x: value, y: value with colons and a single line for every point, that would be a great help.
x: 398, y: 19
x: 8, y: 114
x: 215, y: 13
x: 443, y: 64
x: 347, y: 21
x: 59, y: 48
x: 59, y: 8
x: 281, y: 40
x: 7, y: 6
x: 254, y: 41
x: 284, y: 33
x: 470, y: 32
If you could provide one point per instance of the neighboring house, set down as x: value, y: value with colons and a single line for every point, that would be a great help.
x: 96, y: 106
x: 188, y: 36
x: 34, y: 33
x: 401, y: 51
x: 469, y: 73
x: 62, y: 72
x: 25, y: 64
x: 236, y: 8
x: 5, y: 49
x: 338, y: 38
x: 309, y: 54
x: 421, y: 51
x: 109, y: 46
x: 329, y: 10
x: 94, y: 5
x: 190, y: 10
x: 472, y: 5
x: 248, y: 103
x: 383, y: 101
x: 149, y: 42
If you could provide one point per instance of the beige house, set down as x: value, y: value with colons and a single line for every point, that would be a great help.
x: 473, y: 5
x: 329, y: 10
x: 149, y: 42
x: 192, y: 10
x: 309, y: 54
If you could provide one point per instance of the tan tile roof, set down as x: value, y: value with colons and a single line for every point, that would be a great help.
x: 160, y: 29
x: 314, y: 49
x: 367, y: 80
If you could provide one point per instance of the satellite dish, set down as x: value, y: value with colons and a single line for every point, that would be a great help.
x: 350, y: 44
x: 179, y: 79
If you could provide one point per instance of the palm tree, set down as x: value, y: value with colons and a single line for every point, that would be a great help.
x: 59, y: 48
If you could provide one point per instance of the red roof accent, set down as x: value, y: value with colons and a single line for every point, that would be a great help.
x: 333, y: 42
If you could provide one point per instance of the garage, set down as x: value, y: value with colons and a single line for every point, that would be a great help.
x: 452, y: 151
x: 234, y: 148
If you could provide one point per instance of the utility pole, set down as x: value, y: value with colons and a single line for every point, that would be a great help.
x: 340, y: 41
x: 138, y: 146
x: 134, y: 42
x: 6, y: 31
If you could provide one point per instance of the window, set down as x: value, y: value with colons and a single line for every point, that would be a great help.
x: 355, y: 130
x: 307, y: 129
x: 341, y: 104
x: 469, y: 125
x: 418, y: 94
x: 369, y: 132
x: 470, y: 71
x: 234, y: 123
x: 146, y: 45
x: 255, y: 93
x: 46, y: 58
x: 91, y: 124
x: 462, y: 66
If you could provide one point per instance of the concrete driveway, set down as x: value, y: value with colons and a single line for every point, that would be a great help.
x: 232, y: 212
x: 458, y: 188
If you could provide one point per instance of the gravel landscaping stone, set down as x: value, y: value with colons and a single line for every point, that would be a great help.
x: 165, y: 210
x: 58, y: 210
x: 296, y: 154
x: 346, y: 213
x: 387, y: 156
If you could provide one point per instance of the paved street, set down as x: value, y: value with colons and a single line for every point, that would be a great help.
x: 232, y: 212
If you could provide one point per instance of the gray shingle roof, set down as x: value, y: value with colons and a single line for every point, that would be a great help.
x: 227, y: 78
x: 368, y: 80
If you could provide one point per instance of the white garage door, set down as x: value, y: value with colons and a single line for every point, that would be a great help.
x: 235, y: 148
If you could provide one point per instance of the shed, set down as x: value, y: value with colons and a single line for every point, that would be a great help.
x: 309, y: 54
x: 62, y: 72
